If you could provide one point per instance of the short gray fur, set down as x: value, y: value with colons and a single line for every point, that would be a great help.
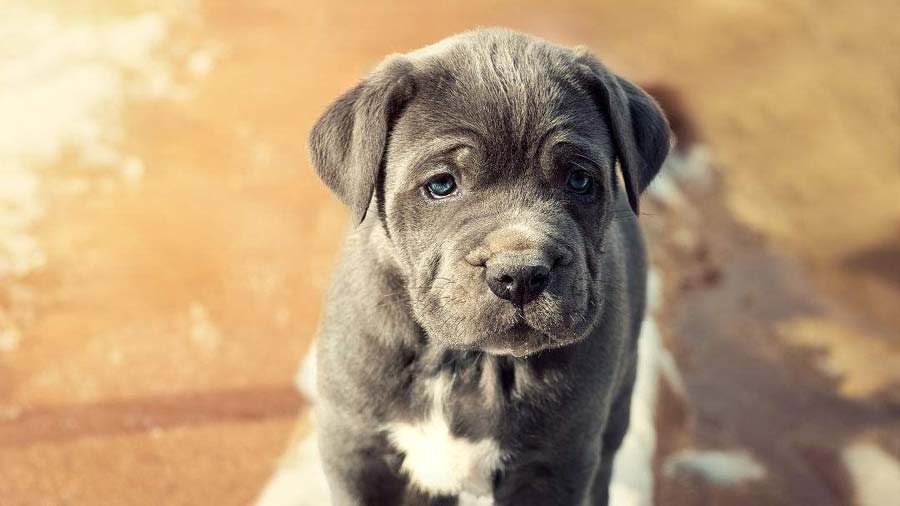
x: 509, y: 115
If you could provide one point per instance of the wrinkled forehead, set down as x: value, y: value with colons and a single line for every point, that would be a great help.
x: 513, y: 97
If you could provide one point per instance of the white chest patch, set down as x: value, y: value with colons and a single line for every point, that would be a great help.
x: 440, y: 463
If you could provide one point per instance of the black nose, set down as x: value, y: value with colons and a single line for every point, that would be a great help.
x: 518, y: 284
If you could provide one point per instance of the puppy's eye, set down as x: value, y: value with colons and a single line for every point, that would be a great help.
x: 580, y: 181
x: 440, y: 186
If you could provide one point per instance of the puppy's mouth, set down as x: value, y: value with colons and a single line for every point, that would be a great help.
x: 520, y: 326
x: 467, y: 313
x: 530, y: 341
x: 522, y: 339
x: 502, y: 330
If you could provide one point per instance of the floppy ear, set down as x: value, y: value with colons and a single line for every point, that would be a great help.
x: 348, y: 142
x: 638, y: 126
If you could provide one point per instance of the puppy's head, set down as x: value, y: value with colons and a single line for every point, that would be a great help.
x: 492, y: 160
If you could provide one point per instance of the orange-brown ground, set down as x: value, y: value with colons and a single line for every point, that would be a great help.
x: 155, y: 347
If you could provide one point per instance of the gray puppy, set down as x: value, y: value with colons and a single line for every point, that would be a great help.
x: 479, y: 334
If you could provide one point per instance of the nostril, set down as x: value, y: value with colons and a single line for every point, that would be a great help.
x: 538, y: 281
x: 506, y: 279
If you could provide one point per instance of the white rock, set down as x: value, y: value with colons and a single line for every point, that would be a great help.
x: 726, y: 468
x: 875, y: 474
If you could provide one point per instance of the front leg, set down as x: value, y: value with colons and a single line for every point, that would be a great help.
x: 358, y: 465
x: 362, y: 470
x: 613, y: 434
x: 563, y: 481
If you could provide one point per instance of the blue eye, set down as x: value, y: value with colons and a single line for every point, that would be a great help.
x: 441, y: 185
x: 580, y: 181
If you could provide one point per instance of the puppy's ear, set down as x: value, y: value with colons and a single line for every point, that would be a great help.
x: 638, y: 126
x: 348, y: 142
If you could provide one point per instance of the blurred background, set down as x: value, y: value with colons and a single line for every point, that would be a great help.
x: 164, y: 243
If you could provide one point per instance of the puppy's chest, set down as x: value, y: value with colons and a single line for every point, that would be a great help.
x: 450, y: 450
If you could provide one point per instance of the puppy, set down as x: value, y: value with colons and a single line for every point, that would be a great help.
x: 479, y: 334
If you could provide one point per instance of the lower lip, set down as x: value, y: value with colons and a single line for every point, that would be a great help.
x: 520, y: 327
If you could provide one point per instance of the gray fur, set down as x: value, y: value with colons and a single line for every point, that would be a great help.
x: 508, y: 115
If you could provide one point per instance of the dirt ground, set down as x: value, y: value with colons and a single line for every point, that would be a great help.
x: 164, y: 243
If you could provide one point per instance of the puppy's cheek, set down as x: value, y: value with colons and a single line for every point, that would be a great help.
x: 436, y: 315
x: 468, y: 296
x: 453, y: 310
x: 580, y: 300
x: 423, y: 304
x: 549, y: 315
x: 479, y: 313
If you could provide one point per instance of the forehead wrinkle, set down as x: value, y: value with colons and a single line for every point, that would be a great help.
x: 509, y: 88
x: 432, y: 147
x: 510, y: 95
x: 591, y: 138
x: 559, y: 126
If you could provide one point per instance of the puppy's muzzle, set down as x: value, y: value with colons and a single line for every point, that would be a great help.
x: 520, y: 262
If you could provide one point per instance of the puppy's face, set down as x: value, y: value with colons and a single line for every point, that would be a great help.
x: 496, y: 189
x: 497, y: 193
